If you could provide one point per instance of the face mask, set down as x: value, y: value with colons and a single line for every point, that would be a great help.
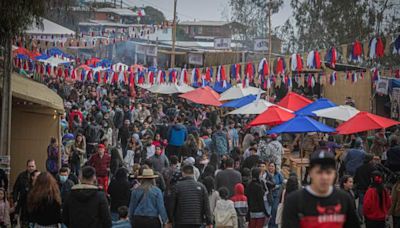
x: 63, y: 179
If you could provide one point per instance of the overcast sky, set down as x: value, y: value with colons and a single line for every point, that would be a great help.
x: 205, y: 9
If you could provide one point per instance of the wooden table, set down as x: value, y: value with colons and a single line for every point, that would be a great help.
x: 297, y: 164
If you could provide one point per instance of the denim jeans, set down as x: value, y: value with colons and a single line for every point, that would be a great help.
x: 360, y: 204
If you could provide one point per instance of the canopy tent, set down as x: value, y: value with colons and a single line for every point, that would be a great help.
x: 238, y: 91
x: 26, y: 52
x: 93, y: 61
x: 364, y: 121
x: 240, y: 102
x: 42, y: 56
x: 294, y: 101
x: 144, y: 86
x: 170, y: 88
x: 274, y: 115
x: 341, y: 112
x: 301, y: 124
x: 48, y: 28
x: 119, y: 66
x: 54, y: 61
x: 319, y: 104
x: 219, y: 88
x: 104, y: 63
x: 256, y: 107
x: 58, y: 52
x: 203, y: 95
x: 85, y: 67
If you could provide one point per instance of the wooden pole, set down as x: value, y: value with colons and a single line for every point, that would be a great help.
x: 269, y: 42
x: 173, y: 36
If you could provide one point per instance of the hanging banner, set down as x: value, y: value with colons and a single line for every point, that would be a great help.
x: 222, y: 43
x: 195, y: 58
x: 382, y: 86
x: 261, y: 45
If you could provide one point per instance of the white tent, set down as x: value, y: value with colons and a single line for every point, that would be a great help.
x: 238, y: 91
x: 49, y: 28
x: 144, y: 86
x: 170, y: 88
x: 256, y: 107
x: 54, y: 61
x: 118, y: 66
x: 341, y: 112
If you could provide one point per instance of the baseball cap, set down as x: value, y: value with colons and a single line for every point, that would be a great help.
x: 101, y: 146
x: 323, y: 158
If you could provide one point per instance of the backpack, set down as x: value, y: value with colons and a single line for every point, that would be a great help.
x: 220, y: 143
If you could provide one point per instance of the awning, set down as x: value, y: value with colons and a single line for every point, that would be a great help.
x: 29, y: 90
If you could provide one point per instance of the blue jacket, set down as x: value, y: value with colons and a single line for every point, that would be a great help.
x: 121, y: 224
x: 149, y: 204
x: 177, y: 135
x: 353, y: 160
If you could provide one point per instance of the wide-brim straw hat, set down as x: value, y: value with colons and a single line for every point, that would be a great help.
x: 147, y: 174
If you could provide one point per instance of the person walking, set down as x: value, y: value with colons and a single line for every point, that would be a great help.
x: 255, y: 195
x: 119, y: 191
x: 320, y: 204
x: 240, y: 203
x: 44, y: 202
x: 147, y: 203
x: 278, y: 181
x: 377, y: 202
x: 354, y: 158
x: 86, y: 205
x: 228, y: 177
x: 20, y: 191
x: 189, y: 205
x: 5, y: 210
x: 225, y: 213
x: 100, y: 161
x: 52, y: 157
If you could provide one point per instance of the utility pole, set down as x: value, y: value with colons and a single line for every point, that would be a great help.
x: 270, y: 34
x: 173, y: 36
x: 121, y: 4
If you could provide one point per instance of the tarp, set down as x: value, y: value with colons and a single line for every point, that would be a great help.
x: 219, y: 88
x: 319, y: 104
x: 341, y: 112
x: 240, y: 102
x: 301, y: 124
x: 364, y: 121
x: 256, y: 107
x: 294, y: 101
x: 238, y: 91
x: 272, y: 116
x: 203, y: 95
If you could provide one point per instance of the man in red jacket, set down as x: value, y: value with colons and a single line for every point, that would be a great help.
x: 74, y: 112
x: 101, y: 163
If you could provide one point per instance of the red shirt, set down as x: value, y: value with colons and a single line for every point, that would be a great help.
x: 371, y: 207
x: 101, y: 165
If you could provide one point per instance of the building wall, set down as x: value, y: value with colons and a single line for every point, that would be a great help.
x: 101, y: 16
x: 359, y: 91
x: 30, y: 136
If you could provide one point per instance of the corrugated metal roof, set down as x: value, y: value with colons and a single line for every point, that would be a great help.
x: 204, y: 23
x: 118, y: 11
x: 49, y: 28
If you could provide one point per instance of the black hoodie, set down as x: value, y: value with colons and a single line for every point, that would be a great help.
x: 86, y: 206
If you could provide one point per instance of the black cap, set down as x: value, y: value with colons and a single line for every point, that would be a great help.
x: 323, y: 158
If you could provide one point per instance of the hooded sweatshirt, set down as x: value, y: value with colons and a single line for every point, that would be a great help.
x: 225, y: 214
x: 86, y: 206
x: 177, y: 135
x: 240, y: 200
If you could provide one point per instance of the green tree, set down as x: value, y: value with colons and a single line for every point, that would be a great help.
x: 16, y: 17
x: 254, y: 15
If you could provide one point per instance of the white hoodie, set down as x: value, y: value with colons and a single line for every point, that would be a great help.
x: 225, y: 214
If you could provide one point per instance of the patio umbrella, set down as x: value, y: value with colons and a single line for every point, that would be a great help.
x: 219, y: 88
x: 255, y: 107
x: 319, y: 104
x: 54, y: 61
x: 272, y: 116
x: 238, y: 91
x: 170, y: 88
x: 203, y: 95
x: 364, y: 121
x: 301, y: 124
x: 294, y: 101
x: 341, y: 112
x: 240, y: 102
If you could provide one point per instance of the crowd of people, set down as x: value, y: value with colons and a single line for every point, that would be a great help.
x: 130, y: 158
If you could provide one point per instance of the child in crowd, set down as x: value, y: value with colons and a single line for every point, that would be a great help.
x: 123, y: 221
x: 225, y: 213
x: 240, y: 203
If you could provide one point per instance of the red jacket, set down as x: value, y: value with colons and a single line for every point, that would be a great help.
x: 371, y: 206
x: 240, y: 200
x: 101, y: 165
x: 72, y: 115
